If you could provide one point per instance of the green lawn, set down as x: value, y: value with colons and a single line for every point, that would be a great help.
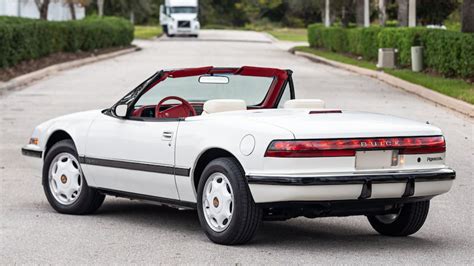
x: 456, y: 88
x: 147, y: 32
x: 290, y: 34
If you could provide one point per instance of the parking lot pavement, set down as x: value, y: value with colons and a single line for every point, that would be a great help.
x: 125, y: 231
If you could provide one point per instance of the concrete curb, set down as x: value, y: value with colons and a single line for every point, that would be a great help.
x: 44, y: 72
x: 436, y: 97
x: 271, y: 37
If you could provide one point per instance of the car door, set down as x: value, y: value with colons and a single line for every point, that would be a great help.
x: 132, y: 156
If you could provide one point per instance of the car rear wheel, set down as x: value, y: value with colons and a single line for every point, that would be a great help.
x: 64, y: 184
x: 408, y: 220
x: 226, y: 209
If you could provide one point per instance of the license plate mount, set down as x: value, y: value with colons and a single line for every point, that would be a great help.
x: 379, y: 159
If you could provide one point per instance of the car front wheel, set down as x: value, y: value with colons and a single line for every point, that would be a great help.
x: 64, y: 184
x: 408, y: 220
x: 226, y: 208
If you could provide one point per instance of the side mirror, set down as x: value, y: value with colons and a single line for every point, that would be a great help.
x: 121, y: 110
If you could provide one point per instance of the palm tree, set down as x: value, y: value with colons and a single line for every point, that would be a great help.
x: 402, y: 12
x: 467, y: 16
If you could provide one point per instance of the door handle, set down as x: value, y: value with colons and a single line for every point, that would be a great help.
x: 167, y: 135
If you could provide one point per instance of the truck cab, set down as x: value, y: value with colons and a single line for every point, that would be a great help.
x: 180, y: 17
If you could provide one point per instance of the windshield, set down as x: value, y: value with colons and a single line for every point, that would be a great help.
x: 183, y: 9
x: 251, y: 89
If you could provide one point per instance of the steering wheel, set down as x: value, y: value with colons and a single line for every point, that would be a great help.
x: 184, y: 109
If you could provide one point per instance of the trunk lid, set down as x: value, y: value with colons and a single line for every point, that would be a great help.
x: 306, y: 125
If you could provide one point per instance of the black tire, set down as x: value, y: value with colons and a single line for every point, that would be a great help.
x: 410, y: 219
x: 246, y: 216
x: 165, y: 29
x: 89, y: 199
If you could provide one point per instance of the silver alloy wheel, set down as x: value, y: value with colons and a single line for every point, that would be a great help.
x: 65, y: 178
x: 218, y: 202
x: 388, y: 218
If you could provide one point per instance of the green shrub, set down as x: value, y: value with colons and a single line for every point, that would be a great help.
x: 448, y: 52
x: 24, y: 39
x: 402, y: 39
x: 314, y: 36
x: 363, y: 41
x: 334, y: 39
x: 359, y: 41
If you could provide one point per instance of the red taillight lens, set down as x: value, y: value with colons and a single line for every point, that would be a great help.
x: 348, y: 147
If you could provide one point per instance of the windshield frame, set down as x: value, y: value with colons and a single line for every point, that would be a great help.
x: 282, y: 80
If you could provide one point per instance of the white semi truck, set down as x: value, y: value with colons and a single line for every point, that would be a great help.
x: 180, y: 17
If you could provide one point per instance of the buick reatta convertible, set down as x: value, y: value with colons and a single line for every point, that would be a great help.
x: 236, y: 145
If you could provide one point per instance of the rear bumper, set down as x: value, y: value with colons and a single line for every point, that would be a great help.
x: 392, y: 185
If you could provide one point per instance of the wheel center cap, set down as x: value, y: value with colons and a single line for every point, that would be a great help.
x: 215, y: 202
x: 63, y: 179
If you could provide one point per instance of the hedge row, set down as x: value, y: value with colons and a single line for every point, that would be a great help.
x: 448, y: 52
x: 23, y: 39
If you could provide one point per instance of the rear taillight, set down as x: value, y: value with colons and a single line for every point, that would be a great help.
x: 348, y: 147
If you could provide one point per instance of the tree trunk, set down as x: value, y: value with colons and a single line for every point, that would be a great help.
x: 402, y: 13
x: 412, y: 13
x: 327, y: 8
x: 100, y: 7
x: 467, y: 19
x: 360, y: 12
x: 72, y: 9
x: 382, y: 12
x: 43, y: 8
x: 344, y: 17
x: 366, y: 13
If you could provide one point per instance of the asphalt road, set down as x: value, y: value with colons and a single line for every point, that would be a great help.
x: 125, y: 231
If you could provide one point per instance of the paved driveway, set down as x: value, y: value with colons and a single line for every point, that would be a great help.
x: 125, y: 231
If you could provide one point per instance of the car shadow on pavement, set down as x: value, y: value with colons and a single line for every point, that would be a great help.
x: 300, y: 234
x: 135, y: 211
x: 312, y: 234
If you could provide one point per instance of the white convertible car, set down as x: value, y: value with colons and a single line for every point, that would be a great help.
x: 235, y: 144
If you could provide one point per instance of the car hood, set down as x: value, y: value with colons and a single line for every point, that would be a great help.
x: 306, y: 125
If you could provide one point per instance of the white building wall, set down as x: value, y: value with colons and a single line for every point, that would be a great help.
x: 57, y: 10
